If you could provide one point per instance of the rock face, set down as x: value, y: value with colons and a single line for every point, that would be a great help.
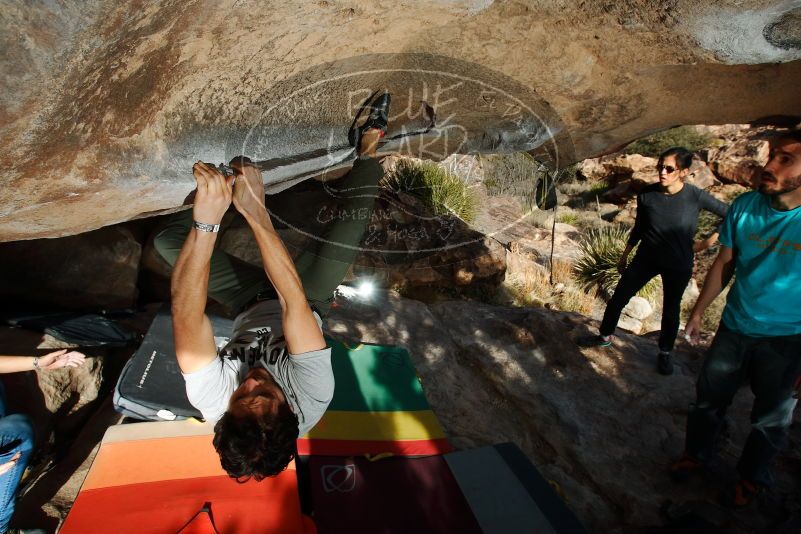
x: 106, y: 105
x: 741, y: 161
x: 601, y: 423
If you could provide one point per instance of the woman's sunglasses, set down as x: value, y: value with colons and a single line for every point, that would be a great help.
x: 668, y: 169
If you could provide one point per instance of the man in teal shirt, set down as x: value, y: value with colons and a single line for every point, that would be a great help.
x: 759, y: 338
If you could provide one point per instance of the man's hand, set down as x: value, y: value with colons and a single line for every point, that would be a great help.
x: 248, y: 189
x: 214, y: 192
x: 692, y: 330
x: 6, y: 467
x: 61, y: 358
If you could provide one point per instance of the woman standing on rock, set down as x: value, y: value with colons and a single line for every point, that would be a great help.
x: 667, y: 218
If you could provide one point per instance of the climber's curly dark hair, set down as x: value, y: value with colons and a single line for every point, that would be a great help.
x: 256, y: 447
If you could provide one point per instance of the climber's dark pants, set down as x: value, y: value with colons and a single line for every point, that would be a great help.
x: 771, y: 365
x: 322, y: 266
x: 637, y: 274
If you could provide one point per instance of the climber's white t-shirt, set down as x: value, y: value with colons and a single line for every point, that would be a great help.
x: 307, y: 379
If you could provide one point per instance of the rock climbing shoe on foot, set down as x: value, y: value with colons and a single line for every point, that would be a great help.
x: 664, y: 363
x: 594, y: 341
x: 685, y: 468
x: 603, y: 341
x: 377, y: 118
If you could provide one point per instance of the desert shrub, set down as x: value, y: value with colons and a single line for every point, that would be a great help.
x: 655, y: 144
x: 511, y: 174
x: 517, y: 175
x: 598, y: 188
x: 599, y: 253
x: 443, y: 192
x: 573, y: 299
x: 532, y: 287
x: 568, y: 218
x: 562, y: 272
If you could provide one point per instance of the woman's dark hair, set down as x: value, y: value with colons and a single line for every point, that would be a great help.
x: 684, y: 158
x: 256, y: 447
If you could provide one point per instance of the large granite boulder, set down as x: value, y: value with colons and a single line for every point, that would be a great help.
x: 106, y: 105
x: 740, y: 161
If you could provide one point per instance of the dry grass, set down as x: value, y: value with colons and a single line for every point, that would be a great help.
x: 563, y: 272
x: 531, y: 287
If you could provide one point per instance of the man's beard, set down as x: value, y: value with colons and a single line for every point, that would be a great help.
x: 790, y: 185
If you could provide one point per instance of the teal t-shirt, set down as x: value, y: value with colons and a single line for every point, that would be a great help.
x: 765, y: 299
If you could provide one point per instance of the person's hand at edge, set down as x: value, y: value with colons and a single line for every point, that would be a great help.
x: 60, y: 359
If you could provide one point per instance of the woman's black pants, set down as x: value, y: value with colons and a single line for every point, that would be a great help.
x: 637, y: 274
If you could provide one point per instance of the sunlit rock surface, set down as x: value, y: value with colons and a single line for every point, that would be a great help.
x: 104, y: 106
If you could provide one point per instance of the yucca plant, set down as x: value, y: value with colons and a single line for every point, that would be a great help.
x: 443, y: 192
x: 596, y: 267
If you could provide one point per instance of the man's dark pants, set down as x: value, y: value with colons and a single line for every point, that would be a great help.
x: 321, y: 267
x: 771, y: 365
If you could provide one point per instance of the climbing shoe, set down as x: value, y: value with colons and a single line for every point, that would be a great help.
x: 603, y: 341
x: 664, y: 363
x: 743, y: 494
x: 378, y: 113
x: 685, y: 468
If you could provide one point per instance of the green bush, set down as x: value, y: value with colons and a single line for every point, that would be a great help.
x: 568, y: 218
x: 443, y: 192
x: 511, y: 174
x: 655, y: 144
x: 600, y: 251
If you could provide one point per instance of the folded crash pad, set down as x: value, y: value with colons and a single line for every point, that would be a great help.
x: 507, y: 494
x: 378, y: 407
x: 151, y: 386
x: 166, y: 477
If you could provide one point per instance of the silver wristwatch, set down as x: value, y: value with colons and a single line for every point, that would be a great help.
x: 204, y: 227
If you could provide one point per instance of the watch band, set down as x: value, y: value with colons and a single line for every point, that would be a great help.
x: 205, y: 227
